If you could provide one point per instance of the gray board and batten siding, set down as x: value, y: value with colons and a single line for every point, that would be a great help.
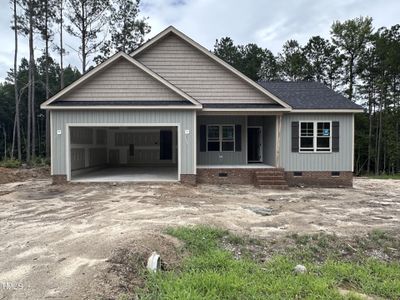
x: 332, y: 161
x: 221, y: 158
x: 237, y: 157
x: 342, y: 160
x: 184, y: 119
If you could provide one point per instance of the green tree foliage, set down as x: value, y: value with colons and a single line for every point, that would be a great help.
x: 293, y: 63
x: 351, y: 37
x: 248, y: 59
x: 127, y: 30
x: 252, y: 60
x: 269, y: 69
x: 324, y: 61
x: 225, y: 49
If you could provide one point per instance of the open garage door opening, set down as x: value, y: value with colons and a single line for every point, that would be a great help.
x: 122, y: 154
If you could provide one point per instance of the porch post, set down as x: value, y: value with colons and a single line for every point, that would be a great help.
x: 278, y: 128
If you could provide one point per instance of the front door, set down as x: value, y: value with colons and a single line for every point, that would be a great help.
x: 254, y: 144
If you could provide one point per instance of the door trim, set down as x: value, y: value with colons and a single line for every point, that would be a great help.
x: 261, y: 144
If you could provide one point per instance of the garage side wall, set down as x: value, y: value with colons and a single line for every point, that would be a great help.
x: 61, y: 119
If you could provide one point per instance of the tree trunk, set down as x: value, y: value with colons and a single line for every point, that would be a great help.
x: 378, y: 154
x: 351, y: 75
x: 397, y: 162
x: 30, y: 77
x: 369, y: 132
x: 47, y: 77
x: 83, y: 41
x: 5, y: 142
x: 61, y: 46
x: 17, y: 129
x: 13, y: 138
x: 376, y: 137
x: 33, y: 108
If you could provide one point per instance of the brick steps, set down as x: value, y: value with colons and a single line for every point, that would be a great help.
x: 271, y: 179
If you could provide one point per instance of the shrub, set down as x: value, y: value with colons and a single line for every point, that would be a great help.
x: 40, y: 162
x: 10, y: 163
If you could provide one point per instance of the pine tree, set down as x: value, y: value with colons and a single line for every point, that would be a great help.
x: 88, y: 19
x: 127, y: 30
x: 324, y: 61
x: 17, y: 127
x: 293, y: 63
x: 351, y: 37
x: 29, y: 24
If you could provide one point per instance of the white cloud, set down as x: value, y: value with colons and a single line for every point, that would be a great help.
x: 265, y: 22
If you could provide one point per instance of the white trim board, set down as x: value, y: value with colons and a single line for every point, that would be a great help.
x: 52, y: 141
x: 237, y: 113
x: 68, y: 138
x: 332, y: 111
x: 352, y: 143
x: 195, y: 142
x: 116, y: 107
x: 315, y: 137
x: 248, y: 166
x: 246, y: 110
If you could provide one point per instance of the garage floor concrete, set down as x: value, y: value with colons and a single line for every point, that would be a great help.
x: 123, y: 174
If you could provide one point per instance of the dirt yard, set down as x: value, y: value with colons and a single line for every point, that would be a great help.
x: 58, y: 241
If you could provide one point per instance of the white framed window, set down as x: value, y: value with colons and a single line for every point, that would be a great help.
x: 221, y: 138
x: 315, y: 136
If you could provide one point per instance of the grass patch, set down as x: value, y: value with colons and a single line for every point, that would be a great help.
x: 10, y: 163
x: 37, y: 162
x: 211, y: 271
x: 386, y: 176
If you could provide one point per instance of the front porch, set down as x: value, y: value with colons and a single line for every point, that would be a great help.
x: 239, y: 149
x: 238, y: 140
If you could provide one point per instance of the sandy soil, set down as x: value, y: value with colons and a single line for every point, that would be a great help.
x: 57, y: 241
x: 8, y: 175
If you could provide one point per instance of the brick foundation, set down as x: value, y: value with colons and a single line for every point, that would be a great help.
x: 226, y: 175
x: 189, y: 179
x: 320, y: 179
x: 59, y: 179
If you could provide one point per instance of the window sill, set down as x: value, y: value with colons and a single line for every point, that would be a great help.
x: 217, y: 151
x: 314, y: 152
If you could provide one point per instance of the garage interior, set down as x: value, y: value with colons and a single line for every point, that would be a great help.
x: 110, y: 154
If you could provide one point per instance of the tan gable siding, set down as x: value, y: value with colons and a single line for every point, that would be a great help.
x: 196, y: 74
x: 122, y: 81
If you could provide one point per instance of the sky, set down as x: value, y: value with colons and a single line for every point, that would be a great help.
x: 268, y: 23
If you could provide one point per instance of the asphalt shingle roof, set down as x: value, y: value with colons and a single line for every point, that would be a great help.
x: 308, y: 95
